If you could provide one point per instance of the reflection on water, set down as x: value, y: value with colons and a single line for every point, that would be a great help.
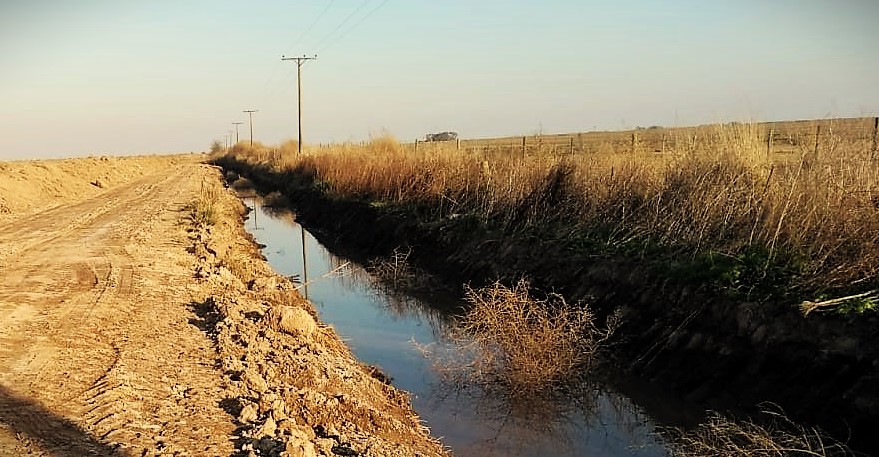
x: 390, y: 331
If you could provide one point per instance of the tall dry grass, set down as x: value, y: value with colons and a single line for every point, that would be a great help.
x: 774, y: 436
x: 714, y: 198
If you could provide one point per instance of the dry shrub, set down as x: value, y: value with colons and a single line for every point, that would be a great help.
x: 385, y: 144
x: 288, y: 148
x: 528, y: 345
x: 778, y: 436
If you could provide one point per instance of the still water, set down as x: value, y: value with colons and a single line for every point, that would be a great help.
x: 391, y: 332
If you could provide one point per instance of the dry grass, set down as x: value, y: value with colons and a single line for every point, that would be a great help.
x: 528, y: 346
x: 204, y: 211
x: 776, y: 436
x: 713, y: 196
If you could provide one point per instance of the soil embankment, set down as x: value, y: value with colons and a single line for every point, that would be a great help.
x: 128, y: 329
x: 726, y: 354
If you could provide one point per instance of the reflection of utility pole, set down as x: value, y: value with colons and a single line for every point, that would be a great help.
x: 236, y: 124
x: 299, y: 62
x: 250, y: 113
x: 304, y: 263
x: 255, y: 213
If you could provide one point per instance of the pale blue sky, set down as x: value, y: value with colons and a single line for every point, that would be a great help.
x: 84, y: 77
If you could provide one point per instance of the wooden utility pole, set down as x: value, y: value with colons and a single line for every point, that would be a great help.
x: 250, y: 113
x: 236, y: 124
x: 299, y: 62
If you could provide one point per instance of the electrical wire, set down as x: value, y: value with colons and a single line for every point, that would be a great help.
x: 339, y: 27
x: 313, y: 23
x: 345, y: 33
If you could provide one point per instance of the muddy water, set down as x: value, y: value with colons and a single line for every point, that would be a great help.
x: 392, y: 333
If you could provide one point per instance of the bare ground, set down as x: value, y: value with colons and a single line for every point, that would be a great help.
x: 127, y: 330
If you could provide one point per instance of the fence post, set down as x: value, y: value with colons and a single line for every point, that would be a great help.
x: 875, y: 137
x: 416, y: 146
x: 457, y: 144
x: 572, y: 146
x: 769, y: 143
x: 523, y: 146
x: 634, y: 140
x: 817, y: 137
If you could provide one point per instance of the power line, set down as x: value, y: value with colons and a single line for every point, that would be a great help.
x: 299, y: 62
x: 339, y: 27
x: 346, y: 32
x: 319, y: 17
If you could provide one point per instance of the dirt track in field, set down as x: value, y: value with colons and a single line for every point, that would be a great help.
x: 123, y: 332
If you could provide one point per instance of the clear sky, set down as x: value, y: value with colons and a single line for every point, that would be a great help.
x: 82, y: 77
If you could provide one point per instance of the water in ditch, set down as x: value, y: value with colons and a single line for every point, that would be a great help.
x: 392, y: 332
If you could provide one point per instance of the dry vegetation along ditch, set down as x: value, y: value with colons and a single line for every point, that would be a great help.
x: 739, y: 276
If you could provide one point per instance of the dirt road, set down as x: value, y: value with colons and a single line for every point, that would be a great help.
x: 106, y: 346
x: 94, y: 343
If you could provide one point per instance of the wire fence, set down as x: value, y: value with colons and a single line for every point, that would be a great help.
x: 823, y: 139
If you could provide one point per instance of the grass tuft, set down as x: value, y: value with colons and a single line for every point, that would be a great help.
x: 204, y: 211
x: 775, y: 436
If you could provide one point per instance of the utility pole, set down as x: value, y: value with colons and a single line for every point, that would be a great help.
x: 250, y: 113
x: 236, y: 124
x: 299, y: 62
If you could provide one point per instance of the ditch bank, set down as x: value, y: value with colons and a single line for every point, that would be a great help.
x: 677, y: 330
x: 292, y: 385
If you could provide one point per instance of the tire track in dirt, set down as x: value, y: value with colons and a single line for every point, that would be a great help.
x: 86, y: 305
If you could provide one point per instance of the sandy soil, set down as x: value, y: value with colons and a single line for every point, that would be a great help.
x: 125, y: 329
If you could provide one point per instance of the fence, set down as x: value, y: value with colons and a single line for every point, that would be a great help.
x: 821, y: 138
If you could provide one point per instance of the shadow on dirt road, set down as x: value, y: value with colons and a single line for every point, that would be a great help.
x: 35, y: 426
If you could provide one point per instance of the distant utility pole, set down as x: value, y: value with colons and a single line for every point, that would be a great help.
x: 236, y: 124
x: 299, y: 62
x: 250, y: 113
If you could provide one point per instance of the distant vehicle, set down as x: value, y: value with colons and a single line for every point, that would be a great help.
x: 442, y: 136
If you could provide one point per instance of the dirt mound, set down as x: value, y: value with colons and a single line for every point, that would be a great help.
x: 34, y: 185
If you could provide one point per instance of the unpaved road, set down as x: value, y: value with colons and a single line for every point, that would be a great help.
x: 92, y: 345
x: 108, y: 344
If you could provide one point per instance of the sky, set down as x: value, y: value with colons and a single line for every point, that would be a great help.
x: 121, y: 77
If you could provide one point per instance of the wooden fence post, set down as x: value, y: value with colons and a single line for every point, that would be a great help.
x: 769, y: 143
x: 875, y: 137
x: 634, y: 141
x: 524, y: 138
x: 416, y: 146
x: 817, y: 138
x: 572, y: 145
